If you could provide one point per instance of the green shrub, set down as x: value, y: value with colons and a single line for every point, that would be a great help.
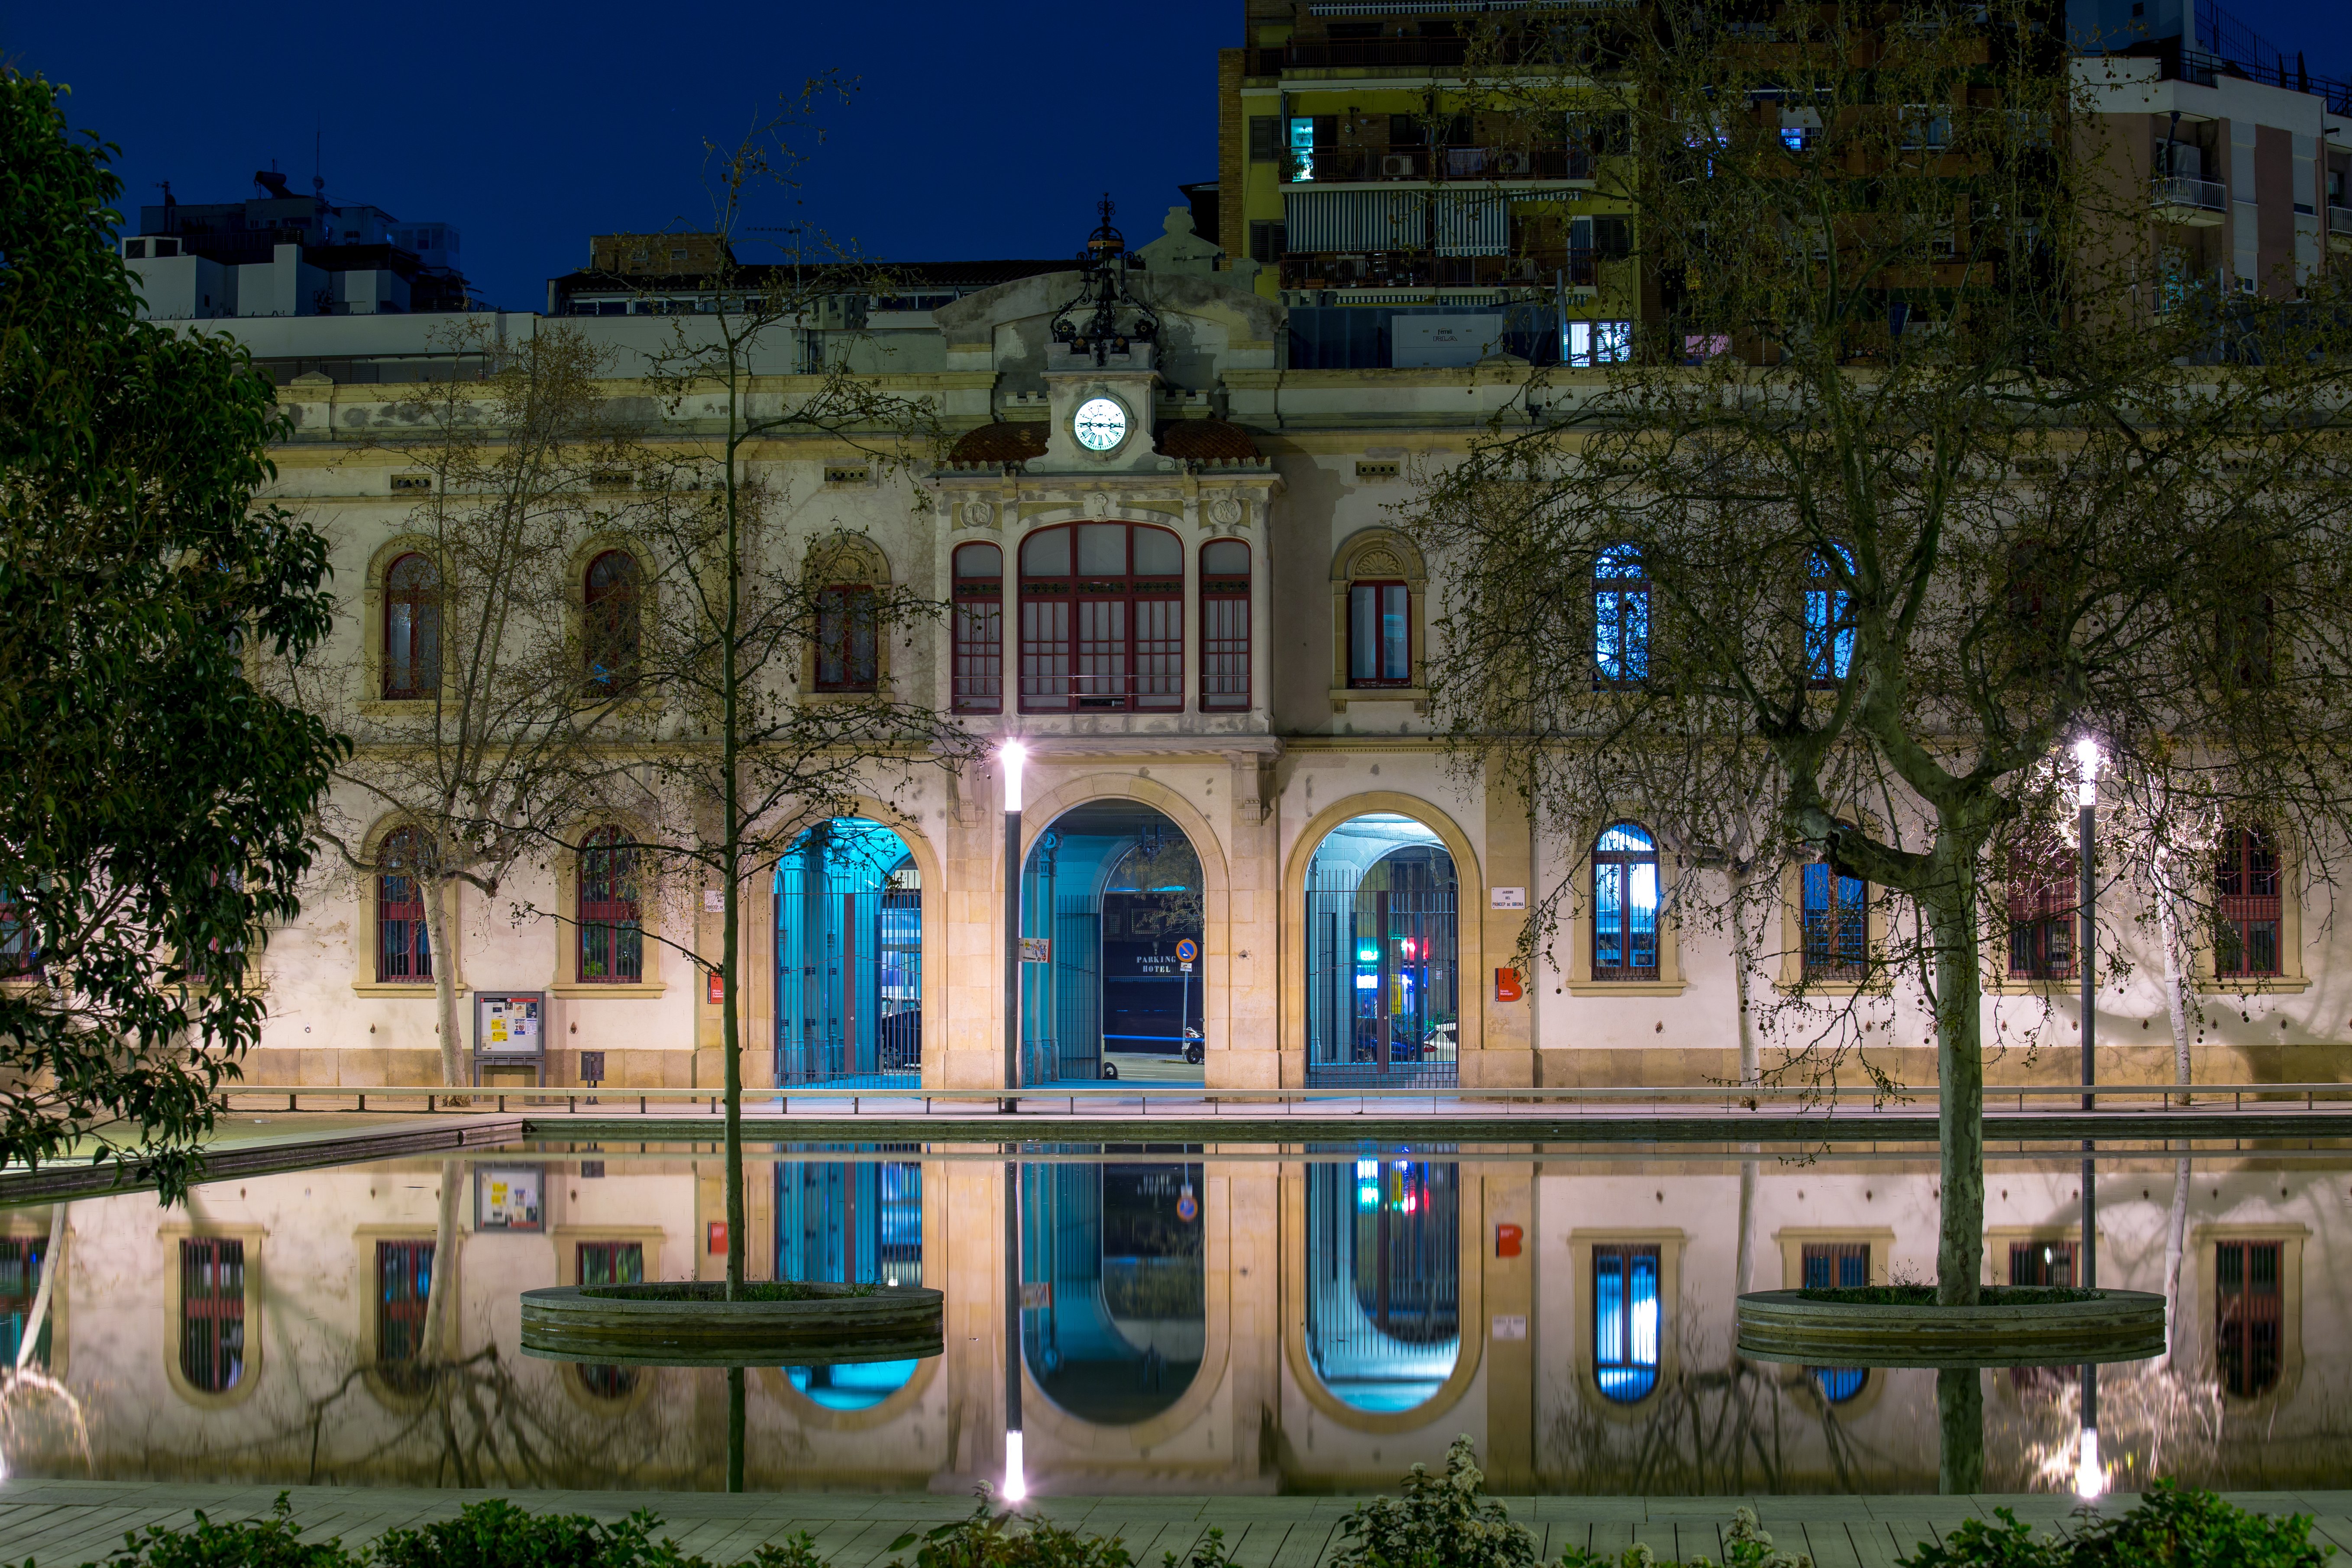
x: 998, y: 1538
x: 1745, y: 1545
x: 271, y: 1542
x: 1438, y: 1523
x: 2168, y: 1528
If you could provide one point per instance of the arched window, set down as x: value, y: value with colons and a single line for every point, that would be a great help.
x: 404, y: 1287
x: 2041, y: 875
x: 1382, y: 1300
x: 1102, y: 619
x: 1624, y: 904
x: 211, y: 1312
x: 1837, y: 1265
x: 2247, y: 645
x: 1621, y: 617
x: 2249, y: 1315
x: 1625, y: 1320
x: 1835, y: 916
x: 403, y: 952
x: 411, y: 628
x: 1224, y: 623
x: 1829, y: 617
x: 847, y: 646
x: 2248, y: 912
x: 612, y: 626
x: 612, y: 922
x: 979, y: 629
x: 610, y: 1263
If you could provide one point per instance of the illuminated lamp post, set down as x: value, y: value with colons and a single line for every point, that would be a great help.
x: 1013, y: 754
x: 2090, y: 1477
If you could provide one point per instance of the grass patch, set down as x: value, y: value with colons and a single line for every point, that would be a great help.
x: 1925, y: 1295
x: 716, y: 1290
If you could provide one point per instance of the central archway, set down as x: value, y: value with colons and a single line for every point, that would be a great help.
x: 1383, y: 1280
x: 856, y: 1221
x: 1114, y: 1323
x: 1113, y: 892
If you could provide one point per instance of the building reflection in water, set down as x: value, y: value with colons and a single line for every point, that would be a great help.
x: 850, y: 1223
x: 1191, y: 1319
x: 1383, y: 1291
x: 1113, y: 1317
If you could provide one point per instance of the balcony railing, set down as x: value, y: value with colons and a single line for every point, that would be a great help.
x: 1350, y: 165
x: 2179, y: 191
x: 1344, y: 53
x: 2339, y: 221
x: 1578, y: 268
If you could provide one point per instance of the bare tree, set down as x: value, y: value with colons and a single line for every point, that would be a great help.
x: 1923, y: 471
x: 769, y: 666
x: 477, y: 718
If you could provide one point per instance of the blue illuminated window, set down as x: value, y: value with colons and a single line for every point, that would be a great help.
x: 1626, y: 1321
x: 1836, y: 925
x: 1829, y: 616
x: 1626, y: 904
x: 1302, y: 147
x: 1840, y: 1265
x: 1621, y: 616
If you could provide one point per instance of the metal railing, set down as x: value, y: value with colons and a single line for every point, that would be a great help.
x: 2339, y: 220
x: 1730, y: 1098
x: 1363, y: 166
x: 2179, y: 191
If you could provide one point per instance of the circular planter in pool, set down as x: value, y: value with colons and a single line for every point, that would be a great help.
x: 692, y: 1324
x: 2113, y: 1325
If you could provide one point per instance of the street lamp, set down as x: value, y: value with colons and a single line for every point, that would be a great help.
x: 2089, y: 1479
x: 1016, y: 1479
x: 1013, y: 754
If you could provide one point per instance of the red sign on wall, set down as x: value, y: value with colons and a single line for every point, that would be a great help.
x: 1506, y: 985
x: 718, y: 1242
x: 1506, y: 1240
x: 717, y: 988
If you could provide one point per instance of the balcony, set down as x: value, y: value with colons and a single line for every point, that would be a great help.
x: 1421, y: 165
x: 2197, y: 204
x: 1542, y: 269
x: 1357, y: 54
x: 2339, y: 228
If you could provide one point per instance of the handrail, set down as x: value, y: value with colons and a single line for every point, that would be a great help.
x: 1732, y: 1096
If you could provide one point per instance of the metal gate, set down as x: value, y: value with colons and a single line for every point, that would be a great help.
x: 1384, y: 1279
x: 849, y: 981
x: 1382, y: 999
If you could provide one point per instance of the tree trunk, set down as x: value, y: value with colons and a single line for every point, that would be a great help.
x: 51, y: 1261
x: 433, y: 1347
x: 1743, y: 1273
x: 1951, y: 912
x: 445, y: 979
x: 2176, y: 1004
x: 1743, y: 957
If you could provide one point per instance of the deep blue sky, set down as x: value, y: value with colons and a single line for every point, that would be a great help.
x: 981, y: 128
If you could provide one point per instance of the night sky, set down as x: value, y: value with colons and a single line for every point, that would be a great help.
x: 977, y: 130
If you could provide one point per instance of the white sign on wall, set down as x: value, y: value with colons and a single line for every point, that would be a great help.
x: 1507, y: 898
x: 1441, y: 342
x: 1510, y: 1325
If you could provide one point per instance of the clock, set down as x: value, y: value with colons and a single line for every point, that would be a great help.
x: 1100, y: 424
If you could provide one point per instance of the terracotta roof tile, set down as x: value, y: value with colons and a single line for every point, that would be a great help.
x: 1208, y: 441
x: 1002, y: 441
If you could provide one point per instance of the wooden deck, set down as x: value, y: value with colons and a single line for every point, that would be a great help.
x: 65, y: 1524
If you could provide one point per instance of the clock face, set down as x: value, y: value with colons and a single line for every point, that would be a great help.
x: 1099, y: 425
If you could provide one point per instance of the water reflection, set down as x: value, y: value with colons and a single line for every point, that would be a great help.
x: 1193, y: 1320
x: 1383, y: 1291
x: 1113, y: 1317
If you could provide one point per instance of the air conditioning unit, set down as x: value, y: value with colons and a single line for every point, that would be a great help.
x: 1512, y: 160
x: 1396, y: 166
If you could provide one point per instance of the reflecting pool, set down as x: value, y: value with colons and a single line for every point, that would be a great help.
x: 1191, y: 1319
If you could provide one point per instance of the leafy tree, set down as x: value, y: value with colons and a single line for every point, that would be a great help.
x: 1928, y: 464
x: 157, y: 816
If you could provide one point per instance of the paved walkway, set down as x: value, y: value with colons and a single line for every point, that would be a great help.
x: 66, y: 1523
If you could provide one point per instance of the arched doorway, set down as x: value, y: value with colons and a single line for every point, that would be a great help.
x: 849, y: 957
x: 1116, y: 888
x: 1114, y: 1294
x: 1383, y: 1003
x: 1383, y: 1280
x: 850, y: 1222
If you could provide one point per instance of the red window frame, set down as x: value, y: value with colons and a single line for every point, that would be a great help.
x: 978, y: 653
x: 848, y: 646
x: 612, y: 937
x: 2042, y: 908
x: 20, y: 947
x: 411, y: 628
x: 2248, y: 906
x: 403, y: 1288
x: 404, y: 944
x: 612, y: 624
x: 2250, y: 1299
x: 1224, y: 629
x: 211, y: 1312
x: 1382, y: 592
x: 1101, y: 642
